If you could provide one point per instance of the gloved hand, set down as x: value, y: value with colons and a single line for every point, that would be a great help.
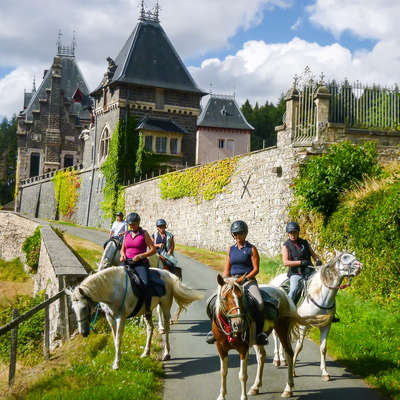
x: 304, y: 263
x: 318, y: 263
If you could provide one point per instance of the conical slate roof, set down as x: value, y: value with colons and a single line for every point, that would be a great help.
x: 223, y: 112
x: 71, y: 80
x: 148, y: 58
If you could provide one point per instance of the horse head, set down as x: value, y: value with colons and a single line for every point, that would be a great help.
x: 230, y: 306
x: 347, y: 264
x: 81, y: 304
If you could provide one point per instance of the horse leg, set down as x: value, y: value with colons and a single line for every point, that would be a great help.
x: 149, y: 334
x: 119, y: 331
x: 260, y: 354
x: 323, y: 332
x: 111, y: 322
x: 276, y: 362
x: 223, y: 359
x: 244, y: 357
x: 160, y: 314
x: 283, y: 330
x: 176, y: 316
x: 166, y: 315
x: 299, y: 346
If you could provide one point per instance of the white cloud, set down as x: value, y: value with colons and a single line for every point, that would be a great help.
x: 372, y: 19
x: 297, y: 24
x: 262, y: 71
x: 27, y: 39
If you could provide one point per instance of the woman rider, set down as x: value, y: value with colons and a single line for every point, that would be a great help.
x: 163, y: 240
x: 242, y: 258
x: 134, y: 254
x: 296, y: 255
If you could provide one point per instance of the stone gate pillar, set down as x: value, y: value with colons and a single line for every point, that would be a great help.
x: 286, y: 134
x: 322, y: 101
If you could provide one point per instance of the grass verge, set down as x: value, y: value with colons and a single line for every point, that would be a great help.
x: 366, y: 340
x: 78, y: 226
x: 81, y: 370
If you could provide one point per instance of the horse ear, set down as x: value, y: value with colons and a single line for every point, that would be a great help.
x: 220, y: 280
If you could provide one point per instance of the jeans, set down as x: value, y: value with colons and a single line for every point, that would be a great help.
x: 295, y: 286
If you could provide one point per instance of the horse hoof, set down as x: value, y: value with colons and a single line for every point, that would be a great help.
x: 115, y: 367
x: 161, y: 331
x: 144, y: 355
x: 166, y: 357
x: 294, y: 374
x: 283, y: 363
x: 276, y: 363
x: 326, y: 378
x: 287, y: 394
x: 253, y: 391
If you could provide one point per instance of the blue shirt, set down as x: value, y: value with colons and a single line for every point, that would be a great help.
x: 240, y: 259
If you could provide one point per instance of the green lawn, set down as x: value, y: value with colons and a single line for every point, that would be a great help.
x: 13, y: 271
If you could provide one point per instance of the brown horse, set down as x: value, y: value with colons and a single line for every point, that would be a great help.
x: 234, y: 330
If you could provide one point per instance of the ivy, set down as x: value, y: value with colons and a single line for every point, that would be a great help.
x: 122, y: 164
x: 200, y: 183
x: 66, y: 183
x: 31, y: 248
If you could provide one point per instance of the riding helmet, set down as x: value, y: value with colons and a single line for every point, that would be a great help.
x: 120, y: 214
x: 239, y: 227
x: 132, y: 218
x: 292, y: 227
x: 160, y: 222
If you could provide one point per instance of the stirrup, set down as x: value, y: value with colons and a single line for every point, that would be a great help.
x: 335, y: 319
x: 262, y: 339
x: 210, y: 339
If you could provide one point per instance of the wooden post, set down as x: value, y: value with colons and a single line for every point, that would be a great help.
x: 13, y: 351
x: 66, y: 310
x: 46, y: 333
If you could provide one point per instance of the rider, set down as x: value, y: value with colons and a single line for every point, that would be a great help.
x: 242, y: 258
x: 163, y: 240
x: 118, y: 228
x: 296, y: 255
x: 134, y: 254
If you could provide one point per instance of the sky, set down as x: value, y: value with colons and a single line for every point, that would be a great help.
x: 252, y: 48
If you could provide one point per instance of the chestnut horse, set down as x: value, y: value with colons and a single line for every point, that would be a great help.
x: 233, y: 330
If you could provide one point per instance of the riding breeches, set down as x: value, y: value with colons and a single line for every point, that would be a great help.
x: 252, y: 287
x: 143, y: 273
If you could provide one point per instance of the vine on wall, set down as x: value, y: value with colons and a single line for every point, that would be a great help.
x: 66, y: 184
x: 200, y: 183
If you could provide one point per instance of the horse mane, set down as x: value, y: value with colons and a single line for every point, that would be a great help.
x: 99, y: 282
x: 230, y: 283
x: 327, y: 273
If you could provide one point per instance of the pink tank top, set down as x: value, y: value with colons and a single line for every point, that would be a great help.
x: 136, y: 245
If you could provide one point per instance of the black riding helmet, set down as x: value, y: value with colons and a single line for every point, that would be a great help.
x: 120, y: 214
x: 292, y: 227
x: 132, y: 218
x: 239, y: 227
x: 160, y: 222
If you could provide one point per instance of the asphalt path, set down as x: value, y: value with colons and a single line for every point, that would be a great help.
x: 193, y: 372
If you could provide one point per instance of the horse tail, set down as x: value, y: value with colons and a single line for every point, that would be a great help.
x: 183, y: 295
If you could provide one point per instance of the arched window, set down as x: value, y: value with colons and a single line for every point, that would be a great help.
x: 104, y: 145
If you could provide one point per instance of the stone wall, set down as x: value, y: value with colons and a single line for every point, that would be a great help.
x: 263, y: 204
x: 14, y: 229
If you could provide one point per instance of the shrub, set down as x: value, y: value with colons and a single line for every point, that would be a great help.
x: 31, y: 247
x: 66, y: 185
x: 29, y: 332
x: 323, y: 178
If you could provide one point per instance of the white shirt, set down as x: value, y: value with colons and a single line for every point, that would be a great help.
x: 119, y: 227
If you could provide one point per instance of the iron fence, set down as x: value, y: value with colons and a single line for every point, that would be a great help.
x: 361, y: 106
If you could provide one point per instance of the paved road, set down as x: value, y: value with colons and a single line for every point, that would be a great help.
x: 193, y: 372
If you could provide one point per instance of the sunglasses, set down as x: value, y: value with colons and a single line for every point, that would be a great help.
x: 237, y: 233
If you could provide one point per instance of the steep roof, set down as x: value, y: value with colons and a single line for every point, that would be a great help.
x: 160, y: 125
x: 148, y: 58
x: 223, y: 112
x: 71, y: 80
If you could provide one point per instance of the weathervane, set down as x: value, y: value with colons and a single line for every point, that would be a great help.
x: 34, y: 84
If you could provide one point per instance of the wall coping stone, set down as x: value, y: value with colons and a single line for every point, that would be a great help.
x: 63, y: 260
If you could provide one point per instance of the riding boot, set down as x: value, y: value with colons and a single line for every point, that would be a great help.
x: 261, y: 336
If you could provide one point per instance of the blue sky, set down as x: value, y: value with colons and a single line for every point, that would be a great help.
x: 253, y: 46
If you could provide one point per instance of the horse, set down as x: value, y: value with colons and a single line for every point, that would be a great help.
x: 111, y: 256
x: 323, y: 286
x: 232, y: 329
x: 111, y: 289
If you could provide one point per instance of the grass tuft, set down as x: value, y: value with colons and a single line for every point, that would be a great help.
x: 13, y: 271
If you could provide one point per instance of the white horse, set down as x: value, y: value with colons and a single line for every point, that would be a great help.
x: 323, y: 287
x: 111, y: 256
x: 111, y: 288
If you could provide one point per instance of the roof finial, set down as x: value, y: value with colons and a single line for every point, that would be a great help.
x: 59, y: 43
x: 74, y: 44
x: 157, y: 12
x: 34, y: 84
x: 142, y: 16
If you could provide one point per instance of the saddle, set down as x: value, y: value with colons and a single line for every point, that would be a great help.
x: 171, y: 267
x: 303, y: 292
x: 117, y: 241
x: 156, y: 287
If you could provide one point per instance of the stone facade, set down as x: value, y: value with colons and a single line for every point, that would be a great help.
x: 48, y: 128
